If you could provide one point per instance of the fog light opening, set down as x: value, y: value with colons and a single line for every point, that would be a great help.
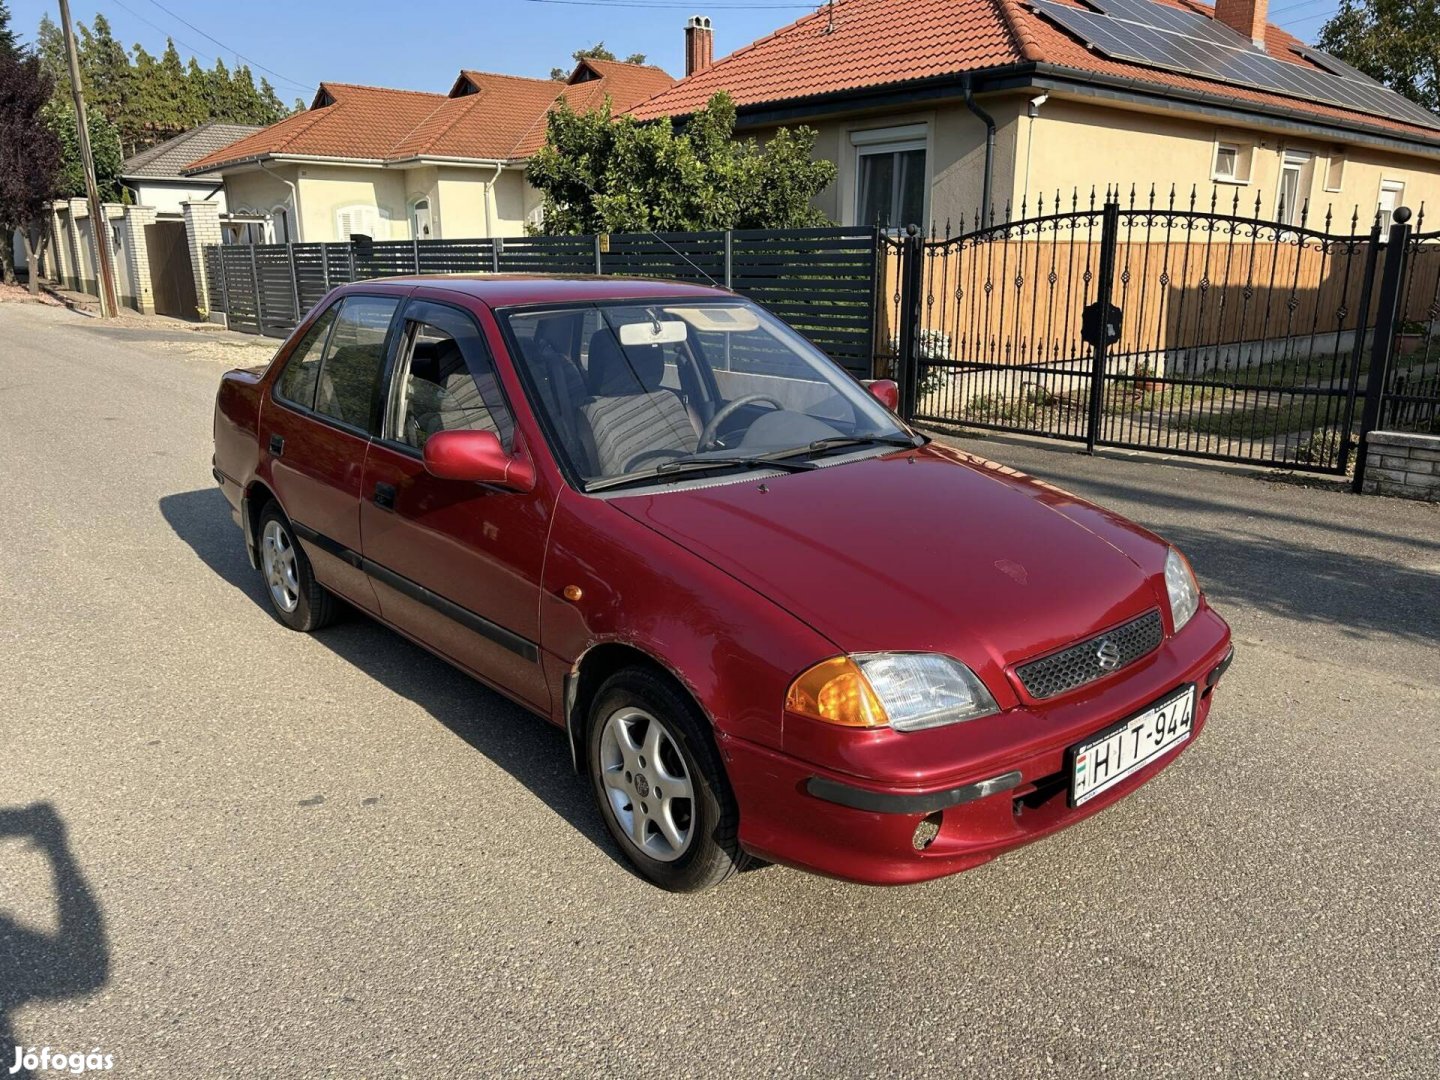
x: 926, y: 831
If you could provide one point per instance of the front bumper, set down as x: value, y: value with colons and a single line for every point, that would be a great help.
x: 864, y: 828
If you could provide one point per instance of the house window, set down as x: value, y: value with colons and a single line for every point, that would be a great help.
x: 1227, y: 162
x: 360, y: 219
x: 892, y: 180
x: 1392, y: 197
x: 1293, y: 196
x: 1335, y: 171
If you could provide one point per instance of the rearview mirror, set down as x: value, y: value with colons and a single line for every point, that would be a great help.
x: 477, y: 456
x: 885, y: 391
x: 667, y: 332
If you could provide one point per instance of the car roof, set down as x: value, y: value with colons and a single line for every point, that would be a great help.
x: 506, y: 290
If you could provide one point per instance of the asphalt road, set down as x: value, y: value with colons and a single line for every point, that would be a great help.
x: 298, y: 856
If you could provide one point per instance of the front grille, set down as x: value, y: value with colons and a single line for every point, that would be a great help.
x: 1080, y: 663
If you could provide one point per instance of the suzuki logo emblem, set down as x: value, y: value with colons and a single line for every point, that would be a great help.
x: 1108, y: 655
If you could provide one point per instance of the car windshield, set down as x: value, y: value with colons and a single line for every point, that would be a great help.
x: 651, y: 390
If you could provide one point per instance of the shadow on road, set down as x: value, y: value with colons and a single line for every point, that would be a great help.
x: 532, y: 751
x: 37, y: 966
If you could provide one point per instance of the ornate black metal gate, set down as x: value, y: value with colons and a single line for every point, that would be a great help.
x: 1183, y: 328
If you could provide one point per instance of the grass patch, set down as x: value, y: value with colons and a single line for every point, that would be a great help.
x: 1260, y: 421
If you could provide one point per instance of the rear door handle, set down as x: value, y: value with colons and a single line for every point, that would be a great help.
x: 277, y: 445
x: 385, y: 496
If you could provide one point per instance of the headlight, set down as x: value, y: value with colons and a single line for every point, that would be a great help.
x: 907, y: 691
x: 1180, y: 584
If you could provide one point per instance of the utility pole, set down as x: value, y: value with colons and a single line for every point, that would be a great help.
x: 109, y: 303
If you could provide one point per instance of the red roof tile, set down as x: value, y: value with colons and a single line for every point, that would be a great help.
x: 875, y: 43
x: 486, y: 116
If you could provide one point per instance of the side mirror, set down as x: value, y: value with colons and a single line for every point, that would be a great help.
x: 885, y: 391
x: 479, y: 457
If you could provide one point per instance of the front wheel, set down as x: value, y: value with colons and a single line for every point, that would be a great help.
x: 298, y: 600
x: 659, y: 783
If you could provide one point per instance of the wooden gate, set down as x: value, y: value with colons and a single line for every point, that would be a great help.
x: 172, y: 278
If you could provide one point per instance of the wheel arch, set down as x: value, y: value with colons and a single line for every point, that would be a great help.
x: 589, y: 673
x: 256, y: 497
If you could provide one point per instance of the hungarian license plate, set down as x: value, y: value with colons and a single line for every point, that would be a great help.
x: 1103, y: 761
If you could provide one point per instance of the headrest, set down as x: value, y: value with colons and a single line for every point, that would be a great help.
x: 614, y: 371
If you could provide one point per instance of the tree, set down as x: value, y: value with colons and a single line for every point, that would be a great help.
x: 1396, y: 42
x: 600, y: 174
x: 29, y: 158
x: 598, y: 51
x: 104, y: 148
x: 8, y: 42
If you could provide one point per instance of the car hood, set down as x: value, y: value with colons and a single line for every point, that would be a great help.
x: 926, y: 550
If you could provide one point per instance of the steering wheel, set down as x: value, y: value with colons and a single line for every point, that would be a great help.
x: 712, y: 429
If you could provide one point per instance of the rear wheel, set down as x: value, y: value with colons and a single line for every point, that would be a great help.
x: 298, y: 600
x: 659, y: 783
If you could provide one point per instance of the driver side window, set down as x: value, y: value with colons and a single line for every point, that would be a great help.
x: 446, y: 380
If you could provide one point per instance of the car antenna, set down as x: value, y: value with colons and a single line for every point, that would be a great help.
x: 698, y: 268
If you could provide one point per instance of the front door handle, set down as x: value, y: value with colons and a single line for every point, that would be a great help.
x: 385, y: 496
x: 277, y: 445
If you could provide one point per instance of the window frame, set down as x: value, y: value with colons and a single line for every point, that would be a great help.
x: 387, y: 346
x: 1337, y: 160
x: 878, y: 142
x: 1387, y: 217
x: 397, y: 367
x: 1216, y: 175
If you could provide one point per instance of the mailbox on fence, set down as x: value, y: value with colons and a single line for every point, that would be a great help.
x: 1094, y: 326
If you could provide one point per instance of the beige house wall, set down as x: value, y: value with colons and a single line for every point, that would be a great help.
x: 1077, y: 144
x: 326, y: 189
x: 255, y: 192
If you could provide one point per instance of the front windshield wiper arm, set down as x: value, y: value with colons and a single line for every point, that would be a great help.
x: 833, y: 441
x: 695, y: 463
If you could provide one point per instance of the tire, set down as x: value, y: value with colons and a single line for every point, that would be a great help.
x: 619, y: 737
x: 296, y: 598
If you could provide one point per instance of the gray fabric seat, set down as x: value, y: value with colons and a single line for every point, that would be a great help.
x: 447, y: 398
x: 630, y: 420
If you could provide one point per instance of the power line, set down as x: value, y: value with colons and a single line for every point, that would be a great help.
x: 1296, y: 7
x: 234, y: 52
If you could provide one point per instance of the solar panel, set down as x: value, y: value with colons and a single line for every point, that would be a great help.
x: 1154, y: 35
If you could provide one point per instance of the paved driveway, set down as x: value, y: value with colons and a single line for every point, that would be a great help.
x: 291, y: 856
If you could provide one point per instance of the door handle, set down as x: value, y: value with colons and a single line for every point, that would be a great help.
x: 385, y: 496
x: 277, y: 445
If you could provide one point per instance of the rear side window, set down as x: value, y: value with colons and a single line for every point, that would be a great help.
x: 301, y: 375
x: 349, y: 384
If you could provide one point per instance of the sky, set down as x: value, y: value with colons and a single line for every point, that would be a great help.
x: 421, y: 45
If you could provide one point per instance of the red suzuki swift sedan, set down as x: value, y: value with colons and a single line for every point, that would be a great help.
x: 774, y: 620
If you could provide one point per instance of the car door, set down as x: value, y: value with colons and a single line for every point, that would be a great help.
x: 456, y: 564
x: 315, y: 429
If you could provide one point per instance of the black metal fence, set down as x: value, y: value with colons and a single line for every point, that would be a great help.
x: 821, y: 281
x: 1166, y: 325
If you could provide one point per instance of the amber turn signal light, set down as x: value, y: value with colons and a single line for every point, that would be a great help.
x: 837, y: 692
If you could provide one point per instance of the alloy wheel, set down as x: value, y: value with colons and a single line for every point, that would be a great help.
x: 647, y: 785
x: 277, y: 560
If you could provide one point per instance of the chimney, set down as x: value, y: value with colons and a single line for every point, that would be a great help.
x: 699, y: 44
x: 1245, y: 17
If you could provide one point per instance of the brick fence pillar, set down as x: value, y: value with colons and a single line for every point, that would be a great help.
x: 57, y: 254
x: 202, y: 229
x: 137, y: 257
x: 82, y: 258
x: 113, y: 224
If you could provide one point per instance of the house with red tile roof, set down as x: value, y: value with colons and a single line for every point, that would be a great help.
x: 397, y: 164
x: 934, y: 108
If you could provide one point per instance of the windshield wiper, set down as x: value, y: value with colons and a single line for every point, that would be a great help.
x: 833, y: 441
x: 697, y: 463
